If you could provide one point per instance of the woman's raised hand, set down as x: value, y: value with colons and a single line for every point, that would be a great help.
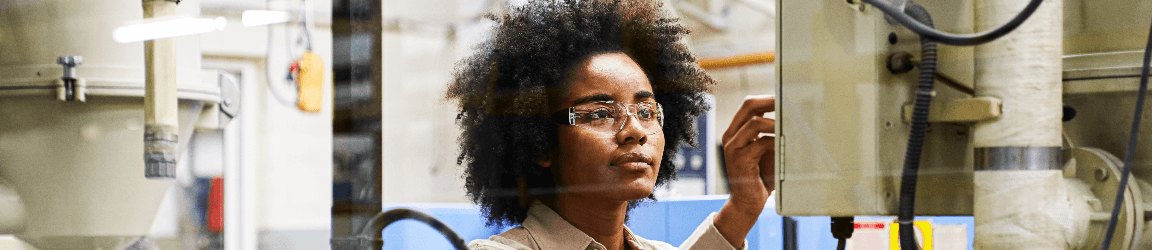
x: 749, y: 157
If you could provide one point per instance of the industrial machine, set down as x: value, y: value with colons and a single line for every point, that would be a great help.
x: 1026, y: 132
x: 91, y: 128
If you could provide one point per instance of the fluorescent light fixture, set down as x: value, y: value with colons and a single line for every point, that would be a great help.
x: 264, y: 17
x: 167, y: 29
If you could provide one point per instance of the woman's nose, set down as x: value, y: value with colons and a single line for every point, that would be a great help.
x: 632, y: 132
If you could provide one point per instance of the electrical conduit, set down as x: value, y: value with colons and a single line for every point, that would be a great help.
x: 906, y: 212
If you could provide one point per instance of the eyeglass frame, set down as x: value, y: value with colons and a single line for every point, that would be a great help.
x: 568, y: 116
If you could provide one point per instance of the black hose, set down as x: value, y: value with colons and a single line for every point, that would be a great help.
x: 928, y: 31
x: 382, y: 220
x: 1130, y: 154
x: 906, y: 213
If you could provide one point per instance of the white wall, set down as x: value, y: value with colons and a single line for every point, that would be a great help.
x: 748, y: 31
x: 290, y: 150
x: 419, y: 130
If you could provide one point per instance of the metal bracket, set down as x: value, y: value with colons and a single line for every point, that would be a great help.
x: 961, y: 111
x: 70, y: 87
x: 229, y: 97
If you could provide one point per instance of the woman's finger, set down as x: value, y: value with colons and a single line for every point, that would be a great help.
x: 753, y: 106
x: 768, y: 166
x: 750, y: 131
x: 762, y: 145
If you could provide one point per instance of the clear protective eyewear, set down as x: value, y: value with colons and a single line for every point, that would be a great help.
x: 609, y: 117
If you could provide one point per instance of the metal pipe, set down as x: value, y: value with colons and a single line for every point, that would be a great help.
x: 161, y: 127
x: 12, y: 219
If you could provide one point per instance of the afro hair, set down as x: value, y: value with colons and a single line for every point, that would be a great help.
x: 517, y: 77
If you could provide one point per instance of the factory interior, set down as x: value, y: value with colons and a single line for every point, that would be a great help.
x: 324, y: 124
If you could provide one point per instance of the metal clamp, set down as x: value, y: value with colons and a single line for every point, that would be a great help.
x: 1017, y: 158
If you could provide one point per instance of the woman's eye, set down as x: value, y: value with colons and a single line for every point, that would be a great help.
x: 599, y: 114
x: 645, y: 113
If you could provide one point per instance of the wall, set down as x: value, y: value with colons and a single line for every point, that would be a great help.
x: 422, y: 42
x: 746, y: 30
x: 290, y: 150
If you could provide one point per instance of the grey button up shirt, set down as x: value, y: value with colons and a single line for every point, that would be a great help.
x: 546, y: 230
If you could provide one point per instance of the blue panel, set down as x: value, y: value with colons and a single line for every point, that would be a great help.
x: 669, y: 221
x: 685, y: 215
x: 650, y: 221
x: 814, y: 233
x: 768, y: 232
x: 687, y: 152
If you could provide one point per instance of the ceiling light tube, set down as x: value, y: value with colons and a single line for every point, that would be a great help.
x: 168, y: 29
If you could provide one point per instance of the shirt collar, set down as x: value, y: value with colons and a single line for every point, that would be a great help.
x: 550, y: 231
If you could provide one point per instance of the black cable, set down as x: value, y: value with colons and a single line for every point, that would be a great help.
x: 842, y: 229
x: 955, y: 39
x: 1130, y: 154
x: 382, y: 220
x: 906, y: 212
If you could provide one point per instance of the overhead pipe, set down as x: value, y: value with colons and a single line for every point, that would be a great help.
x: 738, y: 60
x: 161, y: 127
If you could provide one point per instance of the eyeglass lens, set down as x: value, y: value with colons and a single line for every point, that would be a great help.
x: 610, y: 117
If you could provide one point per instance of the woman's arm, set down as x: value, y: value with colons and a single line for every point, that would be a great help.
x: 749, y: 160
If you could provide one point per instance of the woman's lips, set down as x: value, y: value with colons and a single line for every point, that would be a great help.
x: 633, y: 161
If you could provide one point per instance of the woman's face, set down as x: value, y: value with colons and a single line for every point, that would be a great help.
x: 620, y: 167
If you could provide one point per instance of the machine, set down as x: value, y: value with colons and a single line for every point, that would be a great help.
x: 1026, y: 132
x: 91, y: 128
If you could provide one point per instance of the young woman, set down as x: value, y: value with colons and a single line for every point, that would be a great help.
x: 569, y: 111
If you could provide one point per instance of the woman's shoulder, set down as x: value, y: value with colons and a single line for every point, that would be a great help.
x: 514, y: 239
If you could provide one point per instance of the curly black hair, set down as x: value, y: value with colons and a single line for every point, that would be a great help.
x: 519, y: 75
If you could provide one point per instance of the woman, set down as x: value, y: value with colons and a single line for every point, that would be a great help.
x: 568, y: 112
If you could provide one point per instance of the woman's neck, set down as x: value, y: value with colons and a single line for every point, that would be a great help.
x: 599, y: 219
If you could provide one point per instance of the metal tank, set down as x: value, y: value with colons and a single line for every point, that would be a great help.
x: 72, y: 172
